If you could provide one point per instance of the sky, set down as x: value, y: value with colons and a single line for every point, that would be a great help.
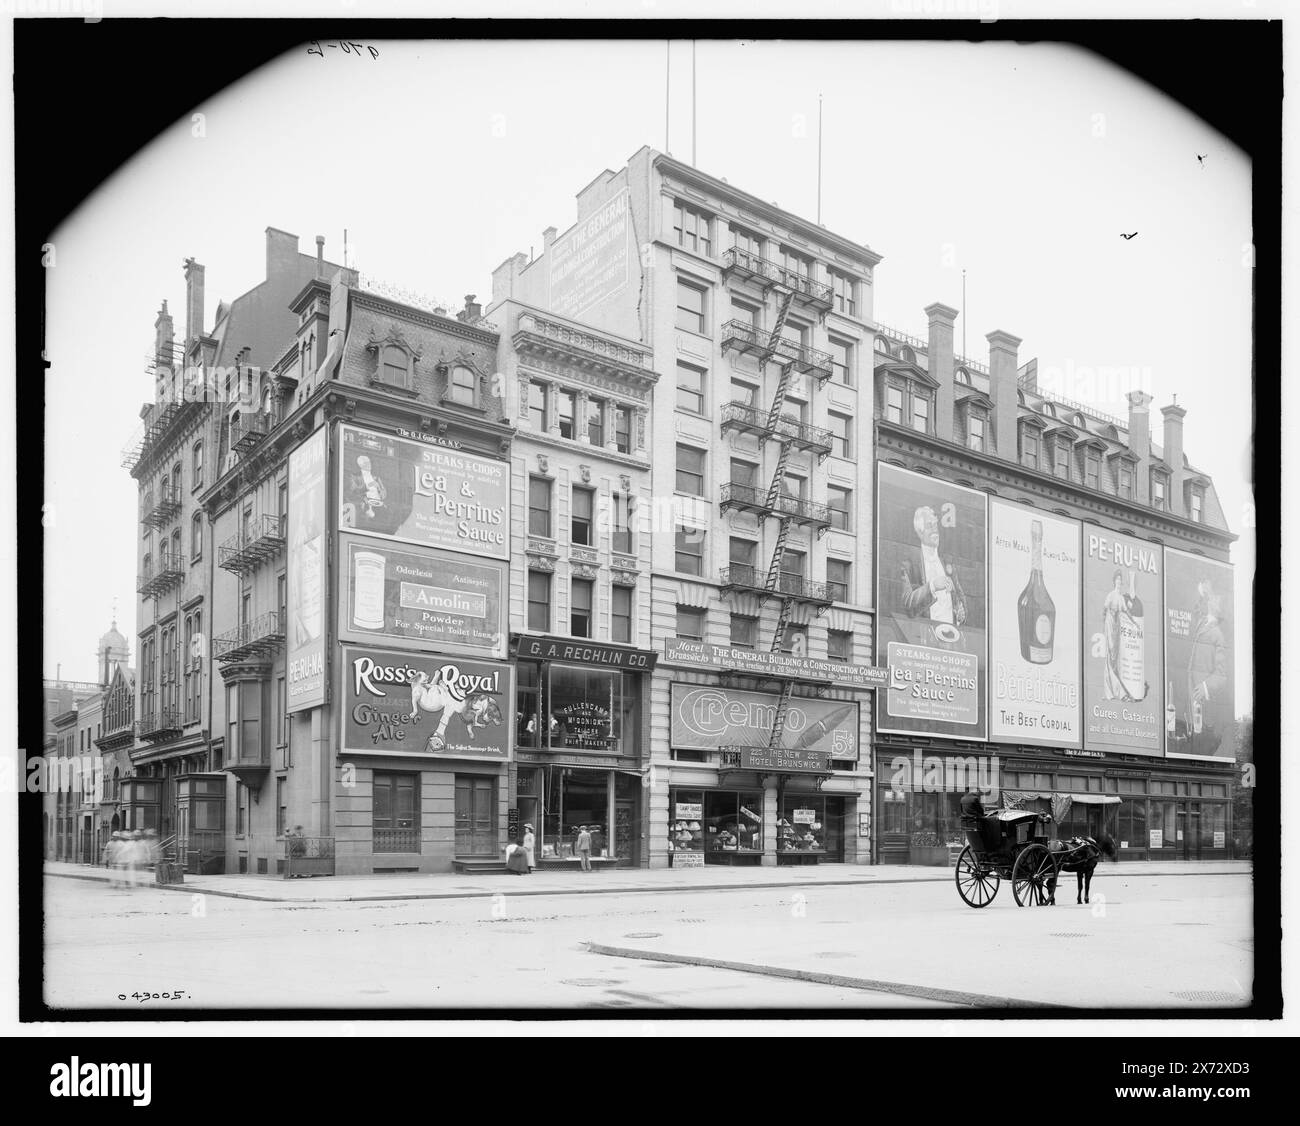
x: 1021, y: 165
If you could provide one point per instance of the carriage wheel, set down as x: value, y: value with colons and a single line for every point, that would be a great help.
x: 976, y: 884
x: 1033, y: 869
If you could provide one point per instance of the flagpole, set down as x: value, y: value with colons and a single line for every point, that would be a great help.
x: 819, y: 159
x: 693, y: 103
x: 668, y: 86
x: 963, y: 312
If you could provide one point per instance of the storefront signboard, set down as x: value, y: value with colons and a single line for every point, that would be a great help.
x: 306, y: 576
x: 1034, y: 646
x: 688, y: 858
x: 702, y: 654
x: 707, y: 717
x: 785, y: 760
x: 1123, y: 668
x: 1219, y: 839
x: 397, y: 489
x: 1200, y: 708
x: 930, y: 598
x: 425, y: 704
x: 423, y: 597
x: 803, y: 816
x: 584, y: 653
x: 689, y: 810
x: 1157, y: 838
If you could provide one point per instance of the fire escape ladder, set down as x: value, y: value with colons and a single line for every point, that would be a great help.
x: 778, y: 476
x: 782, y: 313
x: 778, y: 721
x: 778, y: 400
x: 782, y: 620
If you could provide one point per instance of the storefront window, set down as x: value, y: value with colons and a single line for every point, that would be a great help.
x: 585, y: 709
x: 527, y: 704
x: 575, y: 797
x: 685, y: 821
x: 1213, y: 820
x: 733, y: 823
x: 1131, y: 828
x: 809, y: 823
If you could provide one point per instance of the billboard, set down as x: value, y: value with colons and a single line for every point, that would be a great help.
x: 425, y: 704
x: 425, y: 597
x: 1123, y: 667
x: 400, y: 489
x: 1035, y: 575
x: 1200, y: 706
x: 707, y: 717
x: 592, y: 260
x: 306, y: 578
x: 705, y: 655
x: 931, y: 539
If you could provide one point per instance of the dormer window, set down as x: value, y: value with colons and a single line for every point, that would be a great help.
x: 462, y: 385
x: 1090, y: 463
x: 1124, y: 481
x: 1029, y: 443
x: 975, y: 430
x: 395, y: 367
x: 894, y: 403
x: 1159, y: 493
x: 1197, y: 506
x: 1062, y: 449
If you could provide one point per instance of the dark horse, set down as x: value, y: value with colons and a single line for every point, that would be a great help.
x: 1079, y: 855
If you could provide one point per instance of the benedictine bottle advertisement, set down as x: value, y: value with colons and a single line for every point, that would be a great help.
x: 1123, y: 667
x: 931, y: 545
x: 1035, y: 694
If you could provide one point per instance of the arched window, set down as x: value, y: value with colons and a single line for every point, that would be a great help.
x: 395, y: 367
x: 882, y: 345
x: 963, y: 377
x: 267, y: 400
x: 196, y: 536
x: 462, y: 385
x: 176, y: 548
x: 907, y: 355
x: 197, y: 462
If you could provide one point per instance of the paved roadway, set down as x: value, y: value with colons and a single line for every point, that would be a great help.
x: 1147, y: 941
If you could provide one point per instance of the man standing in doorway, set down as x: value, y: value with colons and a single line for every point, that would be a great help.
x: 583, y: 847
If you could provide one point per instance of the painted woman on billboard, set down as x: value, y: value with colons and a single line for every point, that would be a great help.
x: 1200, y: 717
x: 931, y: 600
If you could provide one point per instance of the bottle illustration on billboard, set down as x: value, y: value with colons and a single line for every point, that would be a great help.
x: 1035, y: 608
x: 368, y: 596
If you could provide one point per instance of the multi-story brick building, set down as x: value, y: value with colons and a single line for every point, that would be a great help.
x: 759, y: 528
x: 1054, y: 601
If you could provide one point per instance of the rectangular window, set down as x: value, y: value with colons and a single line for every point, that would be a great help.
x: 747, y: 313
x: 395, y: 812
x: 744, y: 393
x: 1029, y: 447
x: 744, y: 631
x: 537, y: 407
x: 281, y: 711
x: 794, y: 569
x: 596, y: 421
x: 539, y: 600
x: 198, y: 464
x: 580, y: 607
x: 838, y: 575
x: 690, y: 307
x: 565, y: 402
x: 846, y: 293
x: 975, y: 431
x: 621, y: 614
x: 1092, y: 469
x: 746, y: 241
x: 693, y: 229
x: 581, y: 528
x: 1196, y: 505
x: 842, y: 361
x: 624, y: 506
x: 841, y: 434
x: 742, y: 553
x: 690, y: 550
x: 1158, y: 499
x: 794, y: 486
x: 1125, y: 484
x: 623, y: 430
x: 539, y: 506
x: 240, y: 798
x: 920, y: 413
x: 690, y: 471
x: 690, y: 388
x: 690, y: 623
x: 281, y: 809
x: 839, y: 644
x: 794, y: 265
x: 894, y: 404
x: 1063, y: 459
x: 840, y: 501
x: 744, y: 473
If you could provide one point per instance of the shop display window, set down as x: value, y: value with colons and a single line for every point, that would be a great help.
x: 685, y: 821
x: 574, y: 707
x: 811, y: 824
x: 733, y: 822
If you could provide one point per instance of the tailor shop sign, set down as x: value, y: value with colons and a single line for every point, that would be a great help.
x: 702, y: 655
x: 397, y: 489
x: 566, y: 650
x: 421, y: 705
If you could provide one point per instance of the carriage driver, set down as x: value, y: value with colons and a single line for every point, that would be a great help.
x: 972, y: 806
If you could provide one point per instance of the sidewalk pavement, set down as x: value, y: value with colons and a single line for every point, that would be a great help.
x: 620, y: 881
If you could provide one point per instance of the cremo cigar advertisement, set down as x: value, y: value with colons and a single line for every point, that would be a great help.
x: 706, y: 718
x: 426, y: 597
x: 930, y: 599
x: 425, y: 704
x: 404, y: 490
x: 1035, y: 692
x: 1123, y: 667
x: 1200, y: 707
x: 305, y: 575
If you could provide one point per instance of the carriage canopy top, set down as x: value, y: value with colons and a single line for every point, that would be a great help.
x: 1014, y: 815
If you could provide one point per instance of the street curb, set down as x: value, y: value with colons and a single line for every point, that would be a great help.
x: 923, y: 992
x: 195, y: 889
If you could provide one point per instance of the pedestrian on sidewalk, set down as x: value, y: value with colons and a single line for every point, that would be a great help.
x: 530, y: 844
x: 134, y: 856
x: 115, y: 860
x: 582, y: 846
x: 517, y: 858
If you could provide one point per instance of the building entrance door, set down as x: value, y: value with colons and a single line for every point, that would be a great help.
x: 625, y: 824
x: 476, y: 815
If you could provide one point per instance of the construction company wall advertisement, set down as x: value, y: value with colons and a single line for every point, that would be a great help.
x: 423, y: 597
x: 305, y: 575
x: 397, y: 489
x: 1200, y: 705
x: 706, y: 718
x: 1034, y: 645
x: 1123, y: 664
x: 422, y: 704
x: 930, y: 598
x: 592, y: 260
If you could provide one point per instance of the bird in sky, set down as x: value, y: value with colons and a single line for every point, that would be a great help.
x: 1123, y: 235
x: 1201, y: 158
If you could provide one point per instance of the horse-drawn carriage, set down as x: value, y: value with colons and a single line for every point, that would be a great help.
x: 1007, y: 844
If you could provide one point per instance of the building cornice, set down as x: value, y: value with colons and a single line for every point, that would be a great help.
x: 390, y: 307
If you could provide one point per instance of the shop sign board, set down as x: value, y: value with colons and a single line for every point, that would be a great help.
x: 704, y: 655
x: 785, y: 760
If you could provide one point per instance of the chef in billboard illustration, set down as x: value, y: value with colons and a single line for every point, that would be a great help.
x: 1207, y: 675
x: 931, y: 588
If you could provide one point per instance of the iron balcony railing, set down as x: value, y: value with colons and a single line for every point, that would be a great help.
x: 259, y: 637
x: 159, y: 723
x: 747, y: 264
x: 745, y: 337
x: 308, y: 856
x: 248, y: 430
x: 260, y: 540
x: 744, y: 576
x: 805, y: 590
x: 163, y: 574
x: 396, y: 840
x: 157, y: 508
x: 752, y: 419
x: 158, y: 425
x: 751, y: 498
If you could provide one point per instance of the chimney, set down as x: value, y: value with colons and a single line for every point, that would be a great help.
x: 1002, y: 390
x: 1174, y: 415
x: 472, y: 312
x: 939, y: 351
x: 281, y: 253
x: 163, y: 336
x: 193, y: 302
x: 1139, y: 441
x: 320, y: 256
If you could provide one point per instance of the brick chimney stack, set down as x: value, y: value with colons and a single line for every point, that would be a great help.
x: 941, y: 365
x: 1139, y: 441
x: 164, y: 335
x: 472, y: 312
x: 1003, y: 385
x: 320, y: 256
x: 193, y: 301
x: 1174, y: 415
